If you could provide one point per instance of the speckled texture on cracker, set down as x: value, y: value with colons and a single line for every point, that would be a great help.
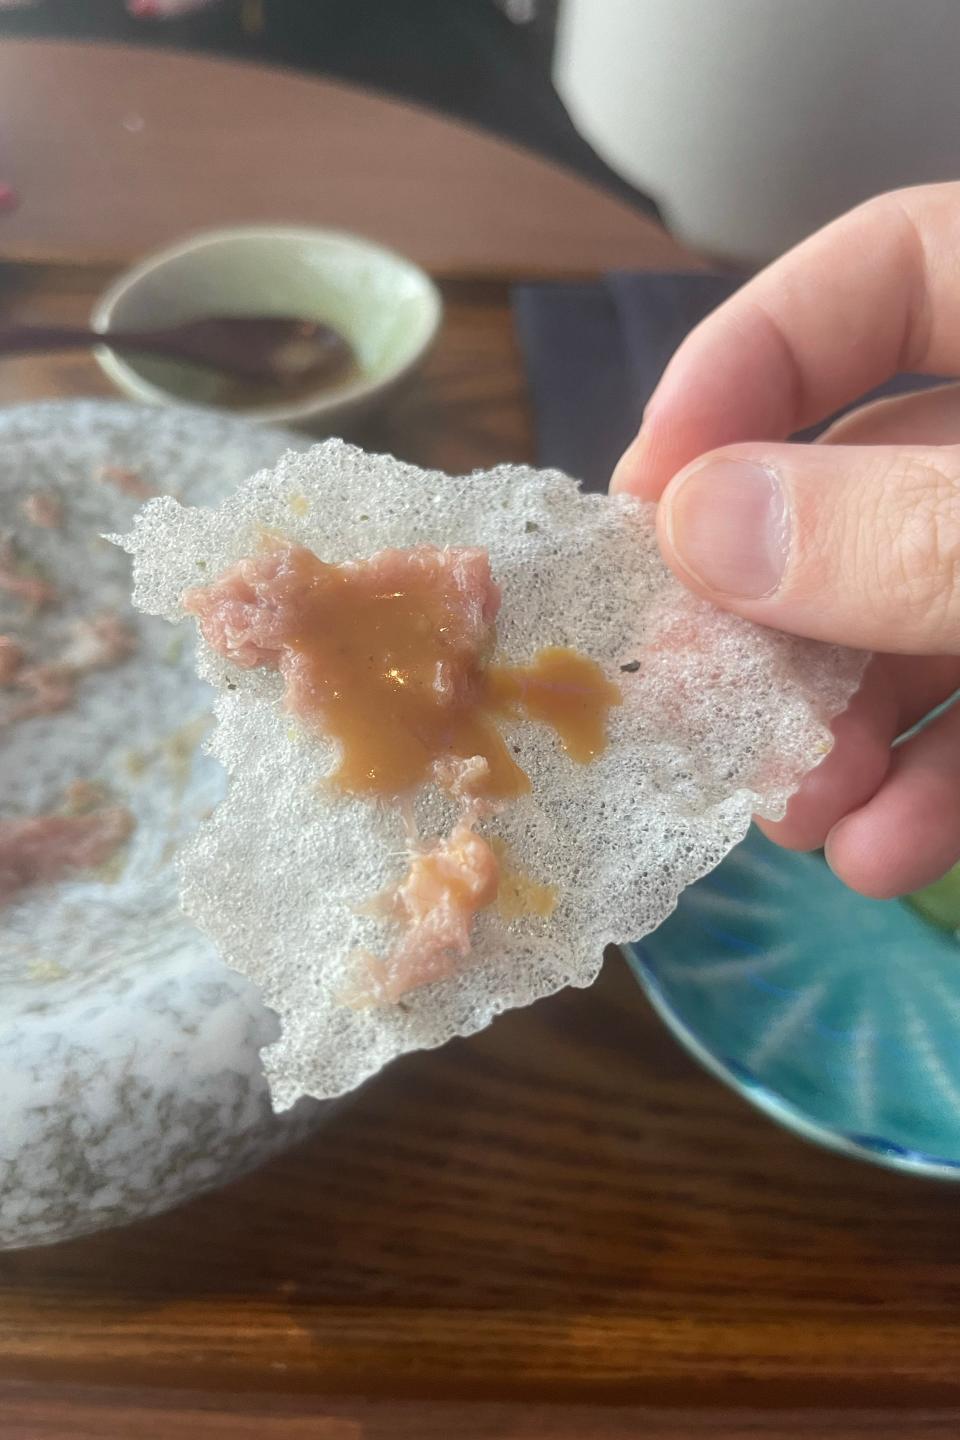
x: 720, y: 720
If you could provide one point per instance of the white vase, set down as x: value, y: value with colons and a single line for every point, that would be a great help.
x: 753, y: 122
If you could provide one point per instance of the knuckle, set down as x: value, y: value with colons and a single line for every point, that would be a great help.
x: 888, y: 551
x: 915, y: 539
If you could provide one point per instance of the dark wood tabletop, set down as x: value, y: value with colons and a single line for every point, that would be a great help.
x: 560, y: 1228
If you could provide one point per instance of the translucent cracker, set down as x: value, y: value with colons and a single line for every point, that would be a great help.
x: 720, y: 721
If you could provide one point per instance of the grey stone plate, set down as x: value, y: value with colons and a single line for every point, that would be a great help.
x: 130, y: 1076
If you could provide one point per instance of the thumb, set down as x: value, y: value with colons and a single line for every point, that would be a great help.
x: 854, y: 544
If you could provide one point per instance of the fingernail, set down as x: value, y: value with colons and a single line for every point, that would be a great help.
x: 728, y: 525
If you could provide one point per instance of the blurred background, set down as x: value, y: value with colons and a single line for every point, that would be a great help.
x: 485, y: 61
x: 743, y: 126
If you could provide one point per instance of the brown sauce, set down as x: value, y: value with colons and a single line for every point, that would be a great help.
x: 235, y: 393
x: 560, y: 688
x: 371, y: 655
x: 336, y: 367
x: 389, y: 657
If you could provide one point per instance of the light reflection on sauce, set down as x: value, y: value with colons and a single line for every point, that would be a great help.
x: 389, y: 657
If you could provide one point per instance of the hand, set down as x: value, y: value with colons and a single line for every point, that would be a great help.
x: 855, y: 539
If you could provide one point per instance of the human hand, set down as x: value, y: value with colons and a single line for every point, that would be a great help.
x: 855, y: 539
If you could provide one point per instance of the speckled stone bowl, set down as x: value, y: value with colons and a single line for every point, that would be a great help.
x: 130, y: 1075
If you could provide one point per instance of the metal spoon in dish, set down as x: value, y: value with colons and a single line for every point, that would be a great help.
x: 276, y: 350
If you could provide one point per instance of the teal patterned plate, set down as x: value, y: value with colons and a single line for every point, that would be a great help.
x: 837, y: 1015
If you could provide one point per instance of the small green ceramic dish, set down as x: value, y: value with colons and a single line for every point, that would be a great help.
x: 386, y: 307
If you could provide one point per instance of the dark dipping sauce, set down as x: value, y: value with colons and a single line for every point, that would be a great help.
x: 234, y: 393
x: 336, y: 367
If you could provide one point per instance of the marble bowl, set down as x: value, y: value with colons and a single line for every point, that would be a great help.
x: 130, y: 1072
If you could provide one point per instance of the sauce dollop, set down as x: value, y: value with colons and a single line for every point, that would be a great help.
x: 390, y: 657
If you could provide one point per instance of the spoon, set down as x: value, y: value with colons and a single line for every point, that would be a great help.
x: 277, y: 349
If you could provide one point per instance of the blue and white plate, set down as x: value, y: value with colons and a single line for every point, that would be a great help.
x: 837, y: 1015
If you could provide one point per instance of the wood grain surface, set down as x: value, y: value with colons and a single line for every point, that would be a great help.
x: 116, y: 150
x: 98, y: 1414
x: 564, y: 1208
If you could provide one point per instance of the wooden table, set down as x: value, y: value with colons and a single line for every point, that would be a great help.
x: 561, y: 1228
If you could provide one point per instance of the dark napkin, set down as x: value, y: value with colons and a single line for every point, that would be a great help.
x: 595, y: 351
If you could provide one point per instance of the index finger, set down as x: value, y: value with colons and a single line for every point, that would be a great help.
x: 875, y: 292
